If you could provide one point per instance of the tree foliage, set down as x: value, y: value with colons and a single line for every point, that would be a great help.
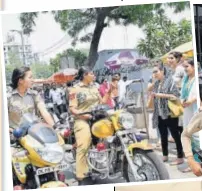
x: 41, y: 70
x: 13, y: 62
x: 163, y: 35
x: 79, y: 58
x: 74, y: 22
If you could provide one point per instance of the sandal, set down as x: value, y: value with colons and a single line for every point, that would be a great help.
x: 158, y: 146
x: 177, y: 162
x: 188, y: 169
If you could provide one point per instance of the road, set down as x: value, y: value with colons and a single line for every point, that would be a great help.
x: 173, y: 172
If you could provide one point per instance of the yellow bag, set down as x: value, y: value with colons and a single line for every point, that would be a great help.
x: 176, y: 108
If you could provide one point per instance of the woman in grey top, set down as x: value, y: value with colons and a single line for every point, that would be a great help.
x: 163, y: 90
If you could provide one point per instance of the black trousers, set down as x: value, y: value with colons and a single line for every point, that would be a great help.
x: 172, y: 125
x: 180, y: 128
x: 116, y: 103
x: 58, y: 109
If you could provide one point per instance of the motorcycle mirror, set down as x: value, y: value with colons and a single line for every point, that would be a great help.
x: 18, y: 133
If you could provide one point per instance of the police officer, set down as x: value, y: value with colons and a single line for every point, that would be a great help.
x: 82, y: 98
x: 24, y: 100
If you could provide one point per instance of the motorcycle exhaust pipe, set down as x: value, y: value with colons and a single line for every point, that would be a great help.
x: 101, y: 170
x: 128, y: 157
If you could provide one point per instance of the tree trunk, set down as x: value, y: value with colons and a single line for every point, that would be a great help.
x: 100, y: 25
x: 93, y: 54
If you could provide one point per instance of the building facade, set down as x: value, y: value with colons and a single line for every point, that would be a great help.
x: 16, y: 49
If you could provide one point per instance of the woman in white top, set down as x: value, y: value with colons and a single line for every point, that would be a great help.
x: 188, y: 92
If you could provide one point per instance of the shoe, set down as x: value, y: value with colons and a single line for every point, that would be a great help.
x: 165, y: 158
x: 85, y: 181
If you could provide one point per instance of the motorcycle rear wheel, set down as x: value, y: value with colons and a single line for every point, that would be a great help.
x: 152, y: 168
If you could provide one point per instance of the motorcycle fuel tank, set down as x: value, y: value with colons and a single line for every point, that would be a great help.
x: 103, y: 128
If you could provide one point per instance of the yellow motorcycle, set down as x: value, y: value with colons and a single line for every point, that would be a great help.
x: 38, y: 157
x: 116, y: 150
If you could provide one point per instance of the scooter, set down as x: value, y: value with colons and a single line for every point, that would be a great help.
x: 39, y: 160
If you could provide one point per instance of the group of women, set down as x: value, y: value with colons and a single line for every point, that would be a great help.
x: 173, y: 81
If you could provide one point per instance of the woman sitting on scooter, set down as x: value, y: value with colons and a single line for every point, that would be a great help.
x: 83, y: 97
x: 24, y: 100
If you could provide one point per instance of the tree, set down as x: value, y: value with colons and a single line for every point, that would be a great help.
x: 75, y: 21
x: 13, y: 62
x: 163, y: 35
x: 55, y: 62
x: 14, y: 59
x: 79, y: 56
x: 41, y: 70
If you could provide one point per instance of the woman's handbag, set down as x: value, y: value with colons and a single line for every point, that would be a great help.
x: 176, y: 108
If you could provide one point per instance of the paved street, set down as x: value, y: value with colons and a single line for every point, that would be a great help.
x: 173, y: 171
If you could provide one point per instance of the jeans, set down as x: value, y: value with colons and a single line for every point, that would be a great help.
x: 172, y: 125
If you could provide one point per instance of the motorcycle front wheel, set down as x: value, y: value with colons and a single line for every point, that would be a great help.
x: 149, y: 167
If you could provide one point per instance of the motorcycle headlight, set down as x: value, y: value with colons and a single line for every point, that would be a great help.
x: 52, y: 153
x: 126, y: 120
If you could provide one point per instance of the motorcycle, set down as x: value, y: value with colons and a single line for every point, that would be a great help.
x: 116, y: 150
x: 38, y: 160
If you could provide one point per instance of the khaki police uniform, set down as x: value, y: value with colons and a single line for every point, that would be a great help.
x: 19, y: 105
x: 83, y: 98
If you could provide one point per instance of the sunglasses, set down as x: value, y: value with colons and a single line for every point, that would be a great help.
x: 155, y: 71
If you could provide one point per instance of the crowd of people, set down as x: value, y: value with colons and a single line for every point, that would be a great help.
x: 57, y: 95
x: 75, y: 97
x: 173, y: 81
